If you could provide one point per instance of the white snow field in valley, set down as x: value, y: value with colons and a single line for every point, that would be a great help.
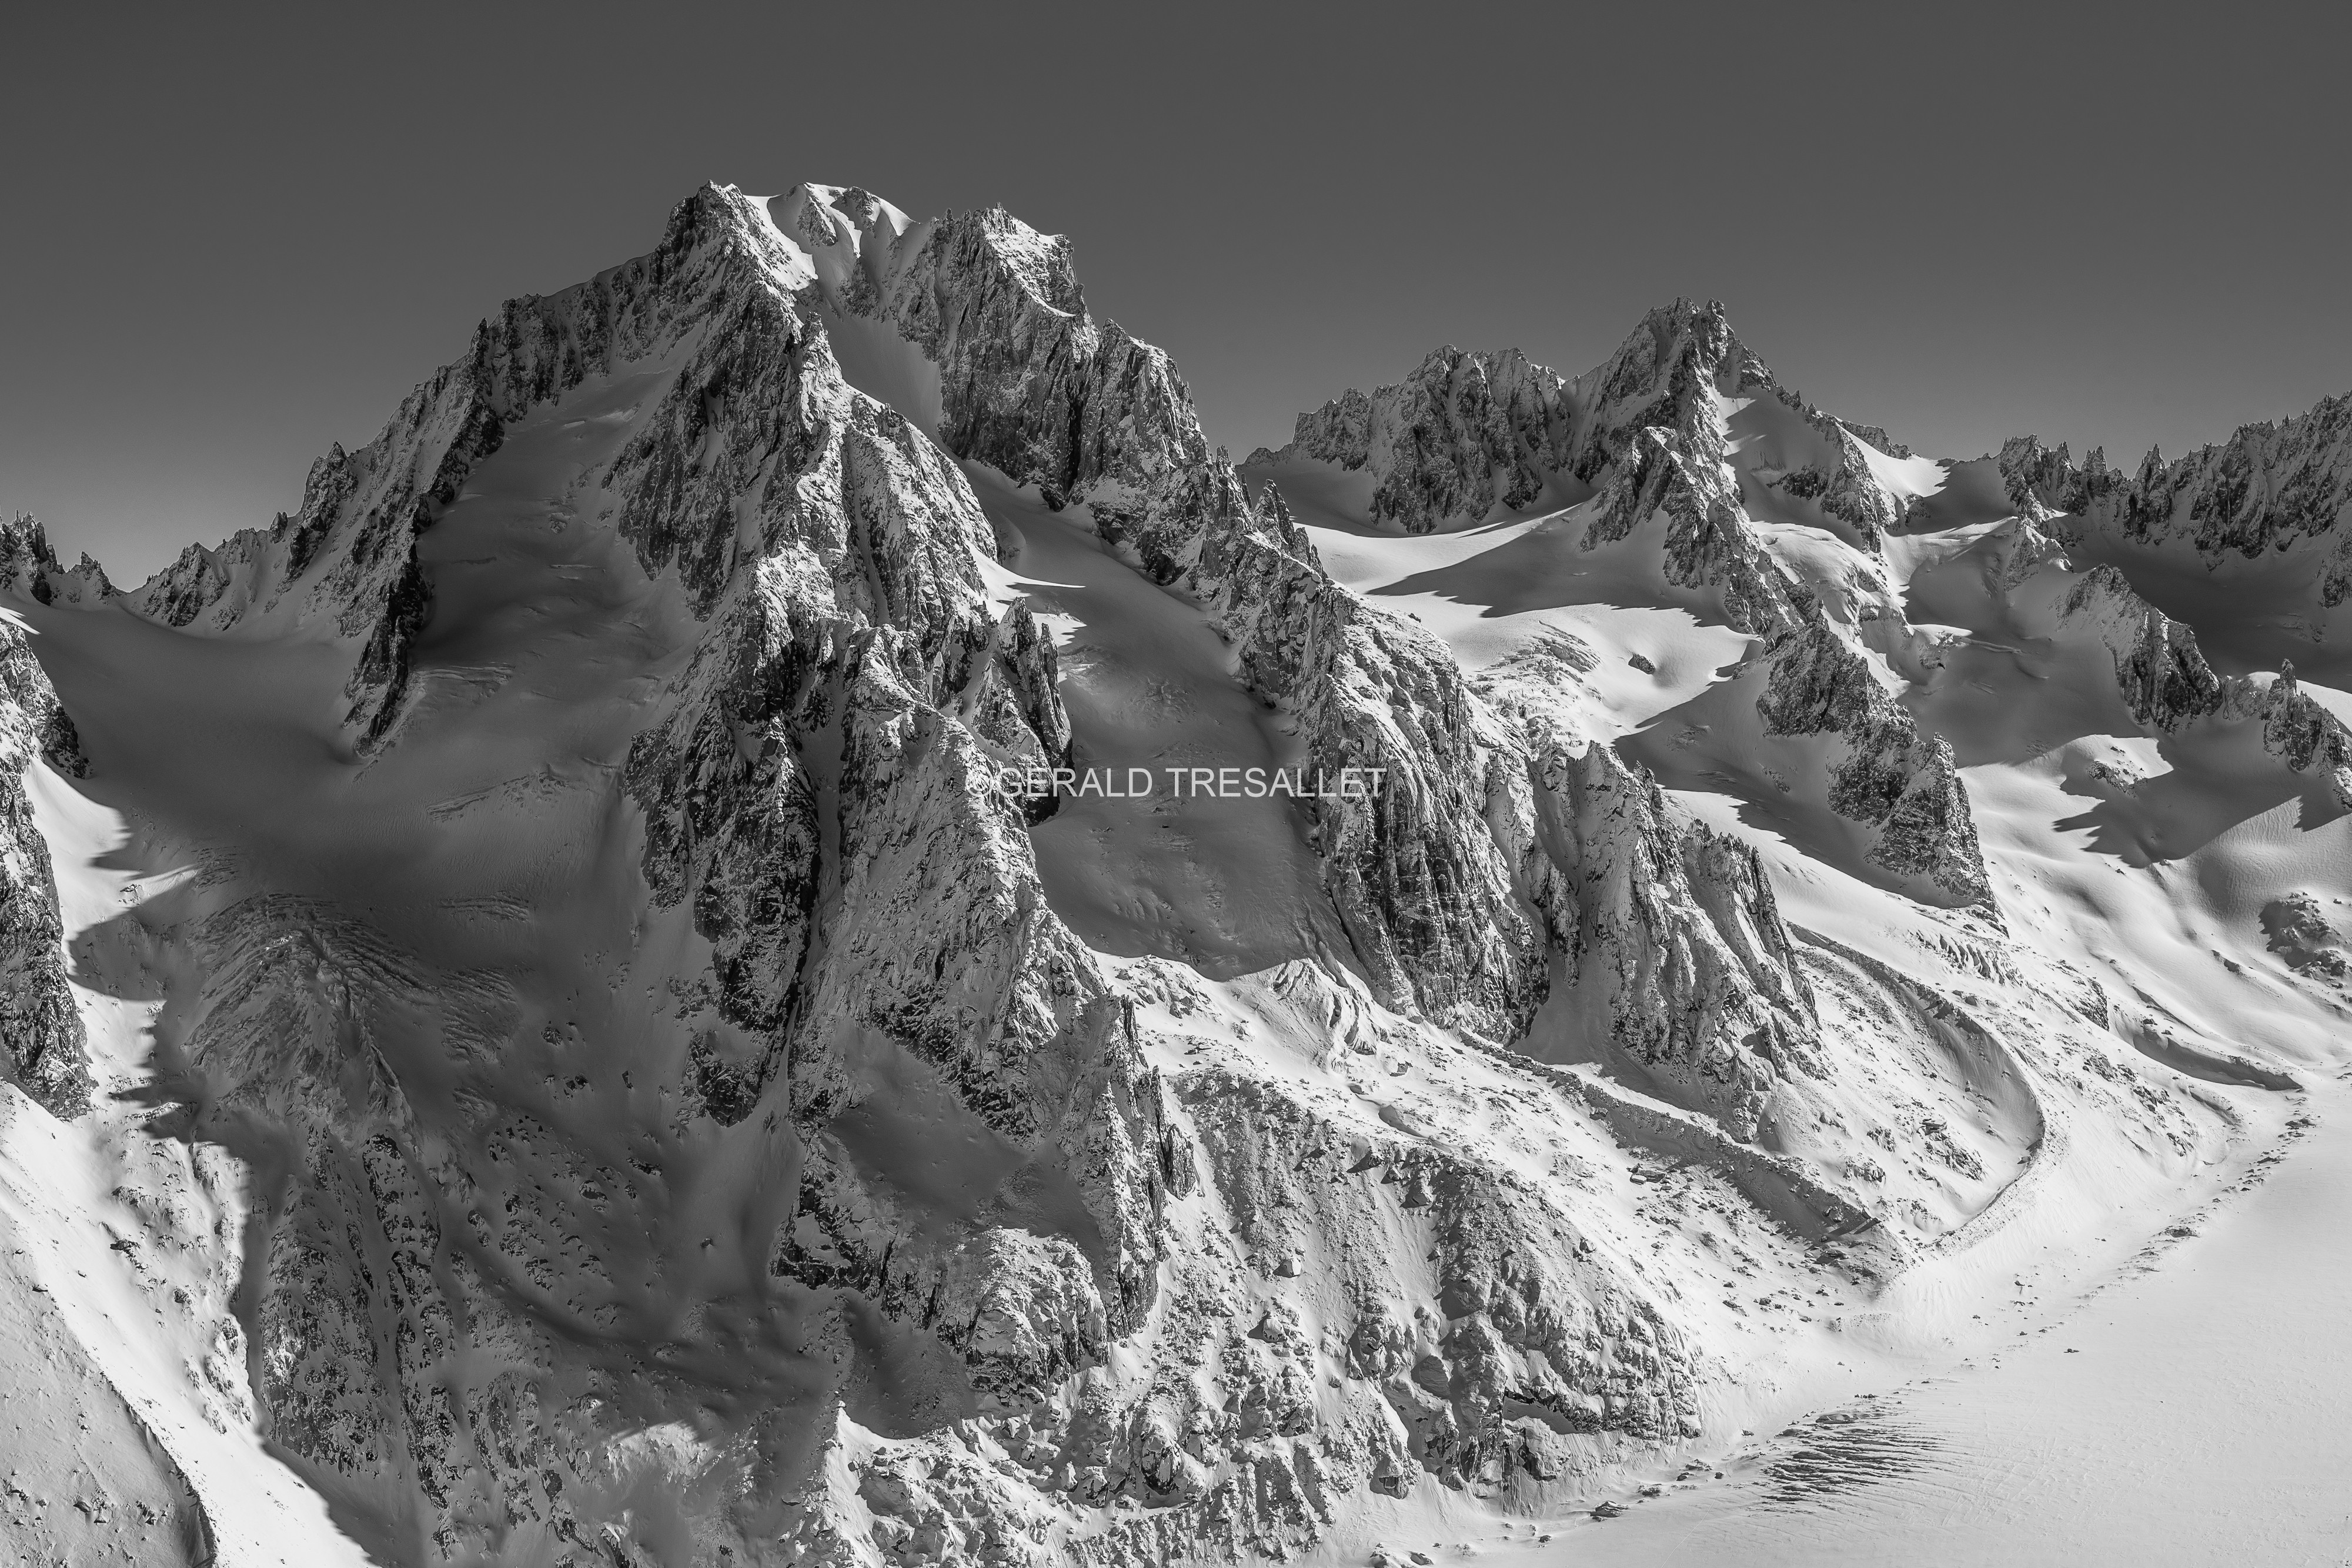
x: 546, y: 1018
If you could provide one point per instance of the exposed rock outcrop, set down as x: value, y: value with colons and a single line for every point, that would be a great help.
x: 29, y: 567
x: 2163, y: 678
x: 2273, y: 486
x: 41, y: 1031
x: 2298, y: 930
x: 441, y: 1326
x: 2296, y: 728
x: 1847, y: 487
x: 346, y: 560
x: 1648, y: 431
x: 1527, y: 1324
x: 1682, y: 967
x: 1432, y: 897
x: 2159, y: 669
x: 1886, y: 775
x: 1463, y: 435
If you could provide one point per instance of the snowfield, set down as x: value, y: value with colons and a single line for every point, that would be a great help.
x: 531, y: 1036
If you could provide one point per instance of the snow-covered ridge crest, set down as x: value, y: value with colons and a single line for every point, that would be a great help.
x: 2248, y: 538
x: 2276, y: 485
x: 1684, y: 434
x: 344, y: 565
x: 29, y: 567
x: 1463, y: 435
x: 1467, y: 435
x: 1031, y: 386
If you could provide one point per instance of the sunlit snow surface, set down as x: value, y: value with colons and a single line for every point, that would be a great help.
x: 2048, y: 1385
x: 2116, y: 1371
x: 88, y: 1311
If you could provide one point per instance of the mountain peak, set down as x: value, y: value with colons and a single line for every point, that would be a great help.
x: 1696, y: 340
x: 796, y: 929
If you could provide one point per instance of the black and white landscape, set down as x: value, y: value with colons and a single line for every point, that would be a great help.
x: 544, y: 1025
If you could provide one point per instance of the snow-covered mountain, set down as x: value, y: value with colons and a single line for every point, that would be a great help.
x: 535, y: 1033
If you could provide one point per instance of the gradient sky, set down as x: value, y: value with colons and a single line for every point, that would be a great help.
x: 233, y: 236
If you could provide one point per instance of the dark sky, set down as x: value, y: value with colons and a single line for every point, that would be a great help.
x: 233, y: 236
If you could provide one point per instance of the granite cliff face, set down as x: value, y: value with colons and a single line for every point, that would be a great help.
x: 600, y: 1069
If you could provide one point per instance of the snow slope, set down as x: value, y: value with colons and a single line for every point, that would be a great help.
x: 2139, y: 867
x: 590, y: 1065
x: 137, y: 1437
x: 2183, y: 1412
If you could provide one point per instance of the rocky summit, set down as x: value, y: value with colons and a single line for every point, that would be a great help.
x: 545, y: 1020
